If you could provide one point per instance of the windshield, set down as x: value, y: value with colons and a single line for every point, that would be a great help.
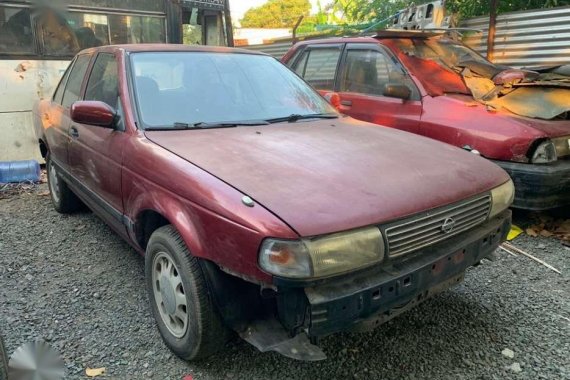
x: 442, y: 50
x: 202, y: 87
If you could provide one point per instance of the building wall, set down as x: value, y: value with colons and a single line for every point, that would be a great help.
x: 254, y: 36
x: 23, y: 82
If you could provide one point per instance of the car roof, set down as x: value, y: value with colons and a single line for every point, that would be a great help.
x: 379, y: 35
x: 160, y: 47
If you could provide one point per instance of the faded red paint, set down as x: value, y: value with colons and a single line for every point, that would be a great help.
x: 306, y: 178
x: 446, y: 111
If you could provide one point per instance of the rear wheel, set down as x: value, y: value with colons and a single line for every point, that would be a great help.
x: 63, y: 199
x: 180, y: 299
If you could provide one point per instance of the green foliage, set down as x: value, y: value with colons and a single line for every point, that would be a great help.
x: 356, y: 11
x: 276, y: 14
x: 472, y: 8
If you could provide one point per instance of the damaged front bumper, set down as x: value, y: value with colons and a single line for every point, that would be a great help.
x: 539, y: 186
x: 369, y: 298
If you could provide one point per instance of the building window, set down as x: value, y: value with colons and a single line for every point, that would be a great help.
x: 16, y: 35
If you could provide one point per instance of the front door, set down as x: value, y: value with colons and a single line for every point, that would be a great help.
x: 365, y: 70
x: 55, y: 120
x: 96, y: 153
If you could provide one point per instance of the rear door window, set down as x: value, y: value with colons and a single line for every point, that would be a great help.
x: 73, y: 87
x: 318, y: 66
x: 58, y: 95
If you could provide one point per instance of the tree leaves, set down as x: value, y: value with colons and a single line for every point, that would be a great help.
x: 276, y: 14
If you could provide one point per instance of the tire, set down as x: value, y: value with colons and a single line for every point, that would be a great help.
x: 198, y: 332
x: 3, y: 361
x: 63, y: 199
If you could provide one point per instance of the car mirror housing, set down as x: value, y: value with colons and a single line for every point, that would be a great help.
x: 93, y: 112
x: 399, y: 91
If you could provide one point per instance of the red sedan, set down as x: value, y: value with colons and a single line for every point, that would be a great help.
x: 431, y: 85
x: 258, y: 208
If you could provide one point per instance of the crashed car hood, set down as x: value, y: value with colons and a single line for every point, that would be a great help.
x: 518, y: 124
x: 333, y: 175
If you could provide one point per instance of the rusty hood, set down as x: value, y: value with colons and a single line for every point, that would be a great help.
x: 333, y: 175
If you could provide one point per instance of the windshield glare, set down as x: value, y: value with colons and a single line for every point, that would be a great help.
x: 194, y: 87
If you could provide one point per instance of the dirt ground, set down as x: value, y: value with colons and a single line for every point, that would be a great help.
x: 71, y: 281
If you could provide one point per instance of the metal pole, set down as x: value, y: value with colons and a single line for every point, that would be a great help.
x: 295, y: 29
x: 492, y: 25
x: 229, y: 26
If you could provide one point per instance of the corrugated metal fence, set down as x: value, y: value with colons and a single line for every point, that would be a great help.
x: 528, y: 38
x: 277, y: 49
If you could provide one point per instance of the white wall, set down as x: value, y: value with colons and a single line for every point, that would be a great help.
x: 22, y: 83
x: 257, y: 35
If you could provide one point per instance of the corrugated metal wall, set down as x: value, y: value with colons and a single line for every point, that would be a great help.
x: 277, y: 49
x: 523, y: 39
x: 528, y: 38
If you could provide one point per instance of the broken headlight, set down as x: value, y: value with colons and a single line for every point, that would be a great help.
x: 502, y: 197
x: 562, y: 146
x: 322, y: 255
x: 544, y: 153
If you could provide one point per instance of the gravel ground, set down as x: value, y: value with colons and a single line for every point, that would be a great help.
x: 71, y: 281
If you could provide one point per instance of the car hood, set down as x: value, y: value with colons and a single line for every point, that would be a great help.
x: 333, y: 175
x: 517, y: 124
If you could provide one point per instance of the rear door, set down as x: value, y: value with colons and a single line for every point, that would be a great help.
x: 96, y: 153
x: 364, y: 72
x: 318, y: 65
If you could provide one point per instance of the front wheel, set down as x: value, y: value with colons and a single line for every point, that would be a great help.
x: 180, y: 299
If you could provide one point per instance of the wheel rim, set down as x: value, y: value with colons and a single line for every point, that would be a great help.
x: 53, y: 180
x: 169, y: 294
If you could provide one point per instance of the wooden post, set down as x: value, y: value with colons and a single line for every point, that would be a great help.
x: 229, y: 26
x: 492, y: 24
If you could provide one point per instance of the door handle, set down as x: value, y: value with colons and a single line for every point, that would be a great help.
x: 74, y: 132
x: 346, y: 102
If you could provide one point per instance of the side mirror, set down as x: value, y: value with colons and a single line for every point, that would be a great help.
x: 399, y: 91
x: 93, y: 112
x: 334, y: 99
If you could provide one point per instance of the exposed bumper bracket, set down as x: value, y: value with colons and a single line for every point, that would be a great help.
x: 269, y: 335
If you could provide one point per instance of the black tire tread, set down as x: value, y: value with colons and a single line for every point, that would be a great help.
x: 214, y: 334
x: 3, y: 361
x: 68, y: 201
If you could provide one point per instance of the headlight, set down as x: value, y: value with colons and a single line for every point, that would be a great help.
x: 562, y: 146
x: 544, y: 153
x: 322, y: 255
x: 502, y: 197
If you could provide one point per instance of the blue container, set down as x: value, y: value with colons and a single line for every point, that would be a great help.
x: 19, y: 171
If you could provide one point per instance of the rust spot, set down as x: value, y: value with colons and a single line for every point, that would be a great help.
x: 23, y: 66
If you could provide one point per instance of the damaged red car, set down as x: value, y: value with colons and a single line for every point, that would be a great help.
x: 430, y: 84
x: 258, y: 208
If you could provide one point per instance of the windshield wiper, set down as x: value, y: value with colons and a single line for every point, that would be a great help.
x: 177, y: 126
x: 296, y: 117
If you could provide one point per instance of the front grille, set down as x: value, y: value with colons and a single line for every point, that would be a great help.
x: 420, y: 231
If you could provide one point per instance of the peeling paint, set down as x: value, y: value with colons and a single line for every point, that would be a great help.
x: 23, y: 66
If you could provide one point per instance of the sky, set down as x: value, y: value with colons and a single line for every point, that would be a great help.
x: 238, y: 7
